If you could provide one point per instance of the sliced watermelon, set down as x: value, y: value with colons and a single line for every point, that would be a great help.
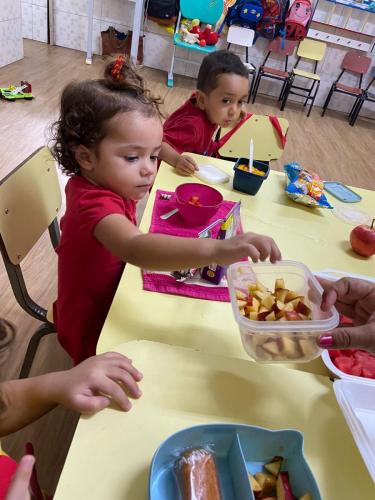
x: 368, y: 373
x: 344, y: 363
x: 362, y: 356
x: 354, y: 362
x: 356, y: 370
x: 333, y: 353
x: 344, y: 320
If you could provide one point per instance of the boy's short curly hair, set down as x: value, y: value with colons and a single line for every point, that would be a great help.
x: 87, y: 106
x: 218, y: 63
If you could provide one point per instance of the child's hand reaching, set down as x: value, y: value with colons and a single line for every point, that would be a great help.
x: 186, y: 165
x: 93, y: 384
x: 255, y: 246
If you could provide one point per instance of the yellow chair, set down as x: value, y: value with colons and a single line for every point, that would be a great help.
x: 267, y: 145
x: 313, y: 51
x: 30, y: 200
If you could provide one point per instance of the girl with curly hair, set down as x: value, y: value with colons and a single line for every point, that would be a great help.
x: 108, y: 139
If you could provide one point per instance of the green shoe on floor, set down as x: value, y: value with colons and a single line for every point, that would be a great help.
x: 13, y: 93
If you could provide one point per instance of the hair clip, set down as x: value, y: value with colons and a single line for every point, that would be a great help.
x: 117, y: 67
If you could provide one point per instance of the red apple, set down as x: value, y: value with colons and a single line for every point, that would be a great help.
x: 362, y: 239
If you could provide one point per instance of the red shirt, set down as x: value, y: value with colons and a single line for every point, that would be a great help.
x: 88, y: 274
x: 8, y: 467
x: 188, y: 129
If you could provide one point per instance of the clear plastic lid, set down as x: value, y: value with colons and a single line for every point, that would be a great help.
x: 298, y: 278
x: 211, y: 174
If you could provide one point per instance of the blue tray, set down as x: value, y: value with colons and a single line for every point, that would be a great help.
x: 238, y: 449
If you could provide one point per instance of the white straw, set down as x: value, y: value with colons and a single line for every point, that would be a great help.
x: 251, y: 155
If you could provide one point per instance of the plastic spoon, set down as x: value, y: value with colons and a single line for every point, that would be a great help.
x: 169, y: 214
x: 251, y: 155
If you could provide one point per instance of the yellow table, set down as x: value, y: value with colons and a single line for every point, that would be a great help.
x: 315, y: 237
x: 112, y: 451
x: 266, y: 141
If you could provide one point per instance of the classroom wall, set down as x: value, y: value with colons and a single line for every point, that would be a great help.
x: 11, y: 48
x: 70, y: 17
x: 34, y: 20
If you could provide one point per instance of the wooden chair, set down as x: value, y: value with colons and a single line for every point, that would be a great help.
x: 312, y: 51
x: 30, y: 200
x: 354, y: 63
x: 361, y: 99
x: 285, y: 49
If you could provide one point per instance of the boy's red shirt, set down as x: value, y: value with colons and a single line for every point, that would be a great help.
x: 188, y: 129
x: 88, y: 274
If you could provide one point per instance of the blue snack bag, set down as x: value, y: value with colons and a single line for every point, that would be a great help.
x: 305, y: 187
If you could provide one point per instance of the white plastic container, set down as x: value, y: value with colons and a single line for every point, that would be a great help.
x: 357, y: 403
x: 340, y: 374
x: 276, y: 341
x: 211, y: 174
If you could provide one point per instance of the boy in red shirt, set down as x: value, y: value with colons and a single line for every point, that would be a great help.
x: 219, y: 101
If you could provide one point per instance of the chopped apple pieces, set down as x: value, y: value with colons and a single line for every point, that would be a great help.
x: 280, y: 305
x: 283, y: 347
x: 272, y: 483
x: 255, y: 486
x: 274, y: 466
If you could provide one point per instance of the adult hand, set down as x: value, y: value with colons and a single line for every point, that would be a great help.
x: 93, y: 384
x: 355, y: 299
x: 186, y: 165
x: 19, y: 487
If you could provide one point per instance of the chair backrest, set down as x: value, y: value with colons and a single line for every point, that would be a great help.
x: 282, y: 47
x: 357, y: 63
x: 207, y: 11
x: 240, y: 36
x: 30, y: 199
x: 265, y: 138
x: 311, y: 49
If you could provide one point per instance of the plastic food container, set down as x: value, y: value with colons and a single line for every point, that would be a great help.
x: 247, y: 182
x: 340, y: 374
x: 356, y: 400
x: 197, y: 203
x: 212, y: 174
x: 237, y: 450
x: 285, y: 341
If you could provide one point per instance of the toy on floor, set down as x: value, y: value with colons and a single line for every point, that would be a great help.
x: 206, y: 36
x: 12, y: 93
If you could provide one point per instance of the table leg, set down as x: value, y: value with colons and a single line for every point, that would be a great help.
x: 90, y: 20
x: 137, y: 23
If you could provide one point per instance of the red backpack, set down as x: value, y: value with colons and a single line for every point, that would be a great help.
x: 297, y: 20
x: 274, y: 12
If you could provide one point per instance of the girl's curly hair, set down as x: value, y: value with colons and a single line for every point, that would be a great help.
x: 86, y: 106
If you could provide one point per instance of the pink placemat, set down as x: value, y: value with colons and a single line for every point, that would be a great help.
x: 176, y: 226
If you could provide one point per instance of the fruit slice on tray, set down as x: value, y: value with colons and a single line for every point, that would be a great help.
x: 273, y: 484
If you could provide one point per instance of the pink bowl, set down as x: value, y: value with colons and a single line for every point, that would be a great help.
x: 209, y: 198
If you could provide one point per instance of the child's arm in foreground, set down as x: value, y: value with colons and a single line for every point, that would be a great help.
x: 167, y: 253
x: 185, y: 165
x: 86, y: 388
